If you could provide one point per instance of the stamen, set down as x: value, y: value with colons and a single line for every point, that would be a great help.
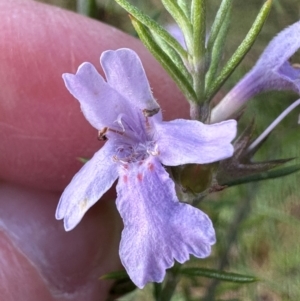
x: 149, y: 113
x: 101, y: 134
x: 271, y: 127
x: 153, y: 151
x: 116, y: 131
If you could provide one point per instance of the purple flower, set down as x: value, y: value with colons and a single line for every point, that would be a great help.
x: 157, y: 227
x: 271, y: 72
x: 174, y: 30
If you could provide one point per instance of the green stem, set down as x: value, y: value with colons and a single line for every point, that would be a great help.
x: 241, y: 214
x: 200, y: 112
x: 157, y: 287
x: 171, y: 282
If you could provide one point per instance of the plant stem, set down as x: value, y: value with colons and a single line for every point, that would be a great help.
x: 171, y: 281
x: 240, y: 215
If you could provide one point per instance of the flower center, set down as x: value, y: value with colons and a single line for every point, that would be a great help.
x: 135, y: 153
x: 134, y: 142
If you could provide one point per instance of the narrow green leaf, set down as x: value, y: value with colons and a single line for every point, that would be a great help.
x: 164, y: 60
x: 223, y: 10
x: 271, y: 174
x: 219, y: 275
x: 115, y: 276
x: 173, y: 55
x: 199, y: 27
x: 184, y: 5
x: 242, y: 50
x: 216, y: 53
x: 153, y: 26
x: 198, y: 52
x: 181, y: 19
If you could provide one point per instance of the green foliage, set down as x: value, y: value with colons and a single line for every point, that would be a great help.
x: 241, y: 51
x: 271, y: 174
x: 219, y: 275
x: 164, y: 59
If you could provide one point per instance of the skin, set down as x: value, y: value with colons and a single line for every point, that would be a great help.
x: 42, y: 132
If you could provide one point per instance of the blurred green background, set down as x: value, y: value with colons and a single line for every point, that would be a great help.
x: 257, y: 224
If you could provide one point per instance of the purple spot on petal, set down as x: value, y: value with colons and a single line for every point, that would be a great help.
x: 150, y: 166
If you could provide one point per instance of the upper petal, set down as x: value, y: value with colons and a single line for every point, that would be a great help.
x: 286, y: 78
x: 282, y: 47
x: 188, y: 141
x: 87, y: 187
x: 99, y: 103
x: 157, y: 228
x: 273, y: 66
x: 125, y: 73
x: 271, y: 72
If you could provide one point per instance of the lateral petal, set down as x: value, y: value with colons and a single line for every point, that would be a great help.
x: 99, y: 103
x: 158, y: 229
x: 125, y: 73
x: 87, y: 187
x: 188, y: 141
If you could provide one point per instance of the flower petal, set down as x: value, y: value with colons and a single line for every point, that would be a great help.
x: 99, y: 103
x: 125, y: 73
x: 286, y: 78
x: 188, y: 141
x: 271, y: 72
x: 157, y: 228
x: 281, y: 48
x: 87, y: 187
x: 174, y: 30
x: 273, y: 65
